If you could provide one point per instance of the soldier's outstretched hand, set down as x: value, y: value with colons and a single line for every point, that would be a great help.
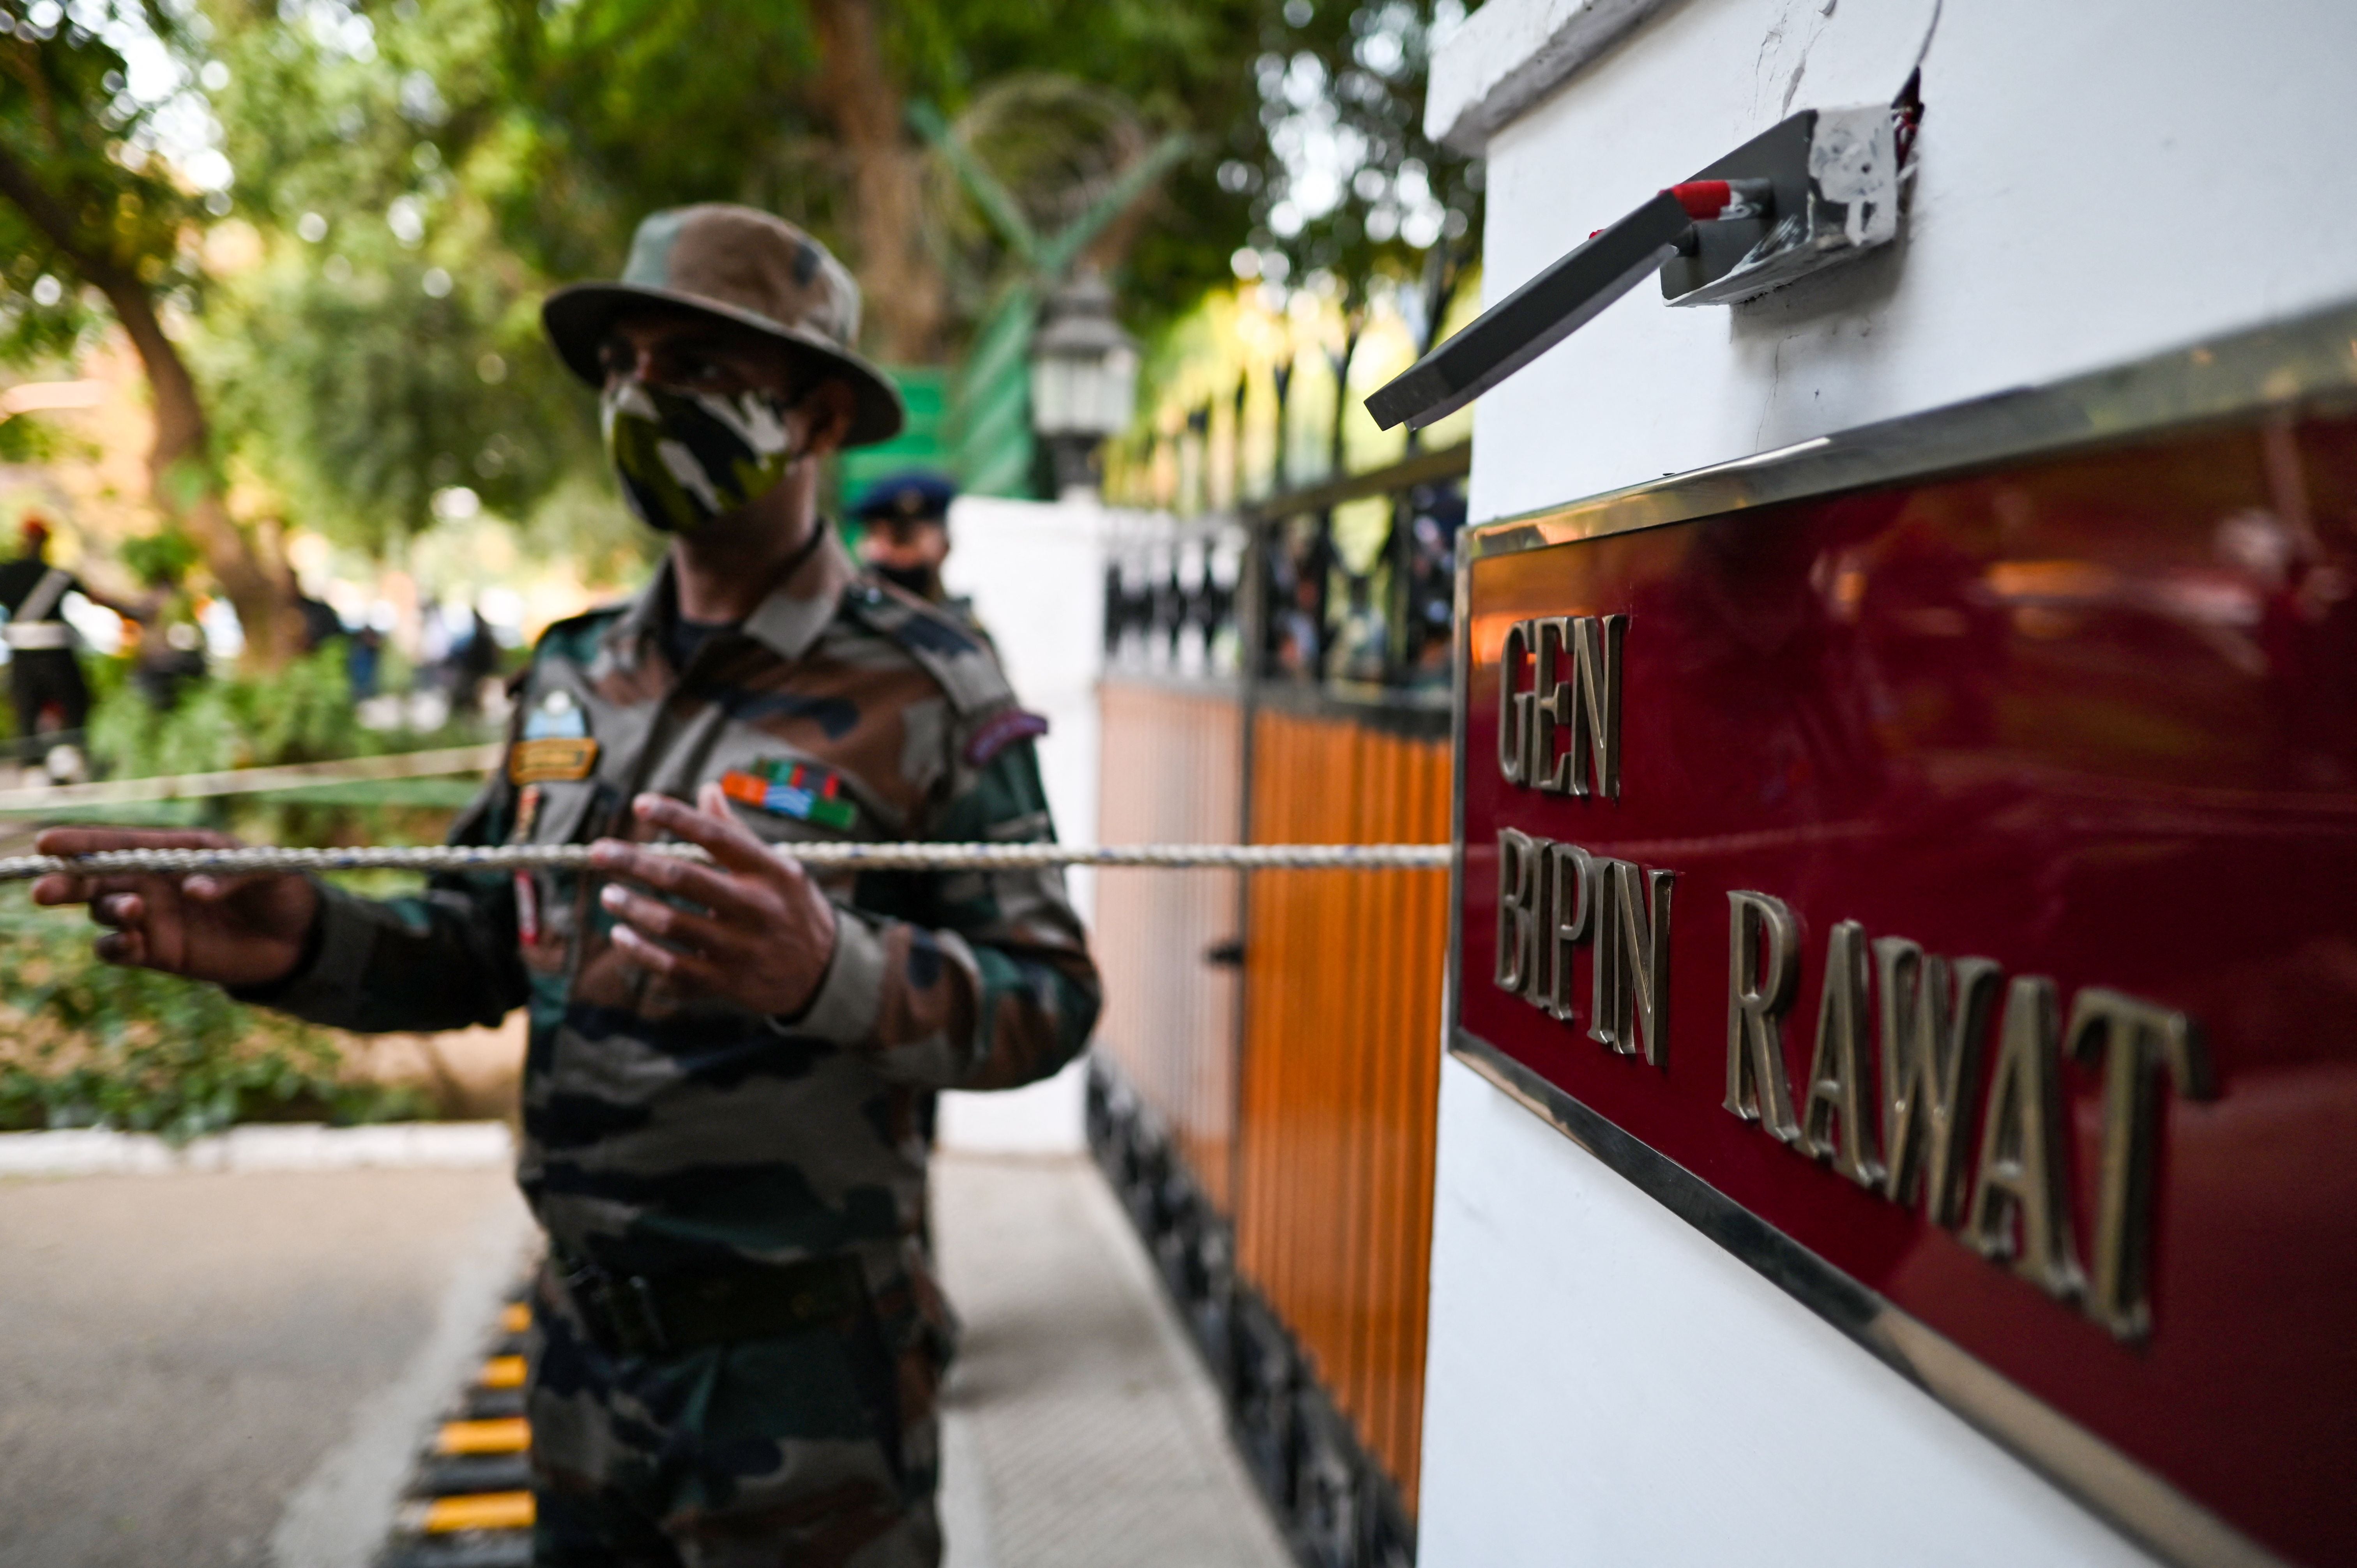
x: 233, y: 930
x: 760, y: 934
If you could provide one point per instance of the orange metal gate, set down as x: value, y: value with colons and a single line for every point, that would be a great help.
x: 1271, y: 1126
x: 1173, y: 774
x: 1341, y: 1065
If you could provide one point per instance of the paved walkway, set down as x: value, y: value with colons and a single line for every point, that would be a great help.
x: 1080, y: 1430
x: 217, y: 1370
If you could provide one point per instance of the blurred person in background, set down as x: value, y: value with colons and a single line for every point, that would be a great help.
x: 473, y: 659
x: 364, y: 661
x: 904, y: 538
x: 45, y: 678
x: 321, y: 624
x: 905, y: 530
x: 170, y: 650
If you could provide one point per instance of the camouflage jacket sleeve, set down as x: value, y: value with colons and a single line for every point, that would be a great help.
x: 970, y: 980
x: 445, y: 959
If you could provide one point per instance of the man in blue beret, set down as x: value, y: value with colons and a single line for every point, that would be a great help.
x: 905, y: 536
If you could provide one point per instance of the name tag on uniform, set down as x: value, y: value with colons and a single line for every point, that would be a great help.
x: 553, y: 760
x: 556, y: 716
x: 803, y: 790
x: 555, y: 747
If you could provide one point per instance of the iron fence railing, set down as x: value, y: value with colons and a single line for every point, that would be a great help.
x: 1173, y: 592
x: 1268, y: 592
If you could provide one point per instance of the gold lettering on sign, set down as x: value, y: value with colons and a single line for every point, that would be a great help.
x: 1571, y: 897
x: 2013, y: 1204
x: 1553, y: 704
x: 1517, y: 919
x: 1595, y: 742
x: 1595, y: 754
x: 1552, y: 898
x: 1641, y: 961
x: 1513, y: 706
x: 2138, y: 1041
x: 2020, y: 1180
x: 1834, y: 1122
x: 1604, y: 1025
x: 1584, y: 708
x: 1896, y: 1121
x: 1759, y: 989
x: 1934, y: 1016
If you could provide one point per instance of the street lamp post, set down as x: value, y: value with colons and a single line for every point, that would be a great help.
x: 1083, y: 378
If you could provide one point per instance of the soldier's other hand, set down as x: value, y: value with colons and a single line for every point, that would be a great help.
x: 762, y: 933
x: 231, y: 930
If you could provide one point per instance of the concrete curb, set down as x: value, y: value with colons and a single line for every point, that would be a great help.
x: 339, y: 1516
x: 295, y: 1147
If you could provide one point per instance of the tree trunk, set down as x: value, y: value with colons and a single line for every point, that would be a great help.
x: 187, y: 488
x: 181, y: 478
x: 905, y: 296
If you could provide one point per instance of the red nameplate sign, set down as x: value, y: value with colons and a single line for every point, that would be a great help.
x: 1961, y: 879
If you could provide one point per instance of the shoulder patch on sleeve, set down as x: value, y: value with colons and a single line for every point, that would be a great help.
x: 961, y: 663
x: 936, y: 634
x: 995, y: 733
x: 575, y: 637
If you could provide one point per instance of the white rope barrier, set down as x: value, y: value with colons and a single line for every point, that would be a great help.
x: 817, y: 857
x: 254, y: 780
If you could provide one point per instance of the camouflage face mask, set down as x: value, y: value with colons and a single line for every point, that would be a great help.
x: 687, y: 457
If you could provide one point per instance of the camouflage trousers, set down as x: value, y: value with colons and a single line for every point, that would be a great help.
x: 813, y: 1450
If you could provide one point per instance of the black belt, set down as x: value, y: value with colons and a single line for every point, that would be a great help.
x: 641, y: 1315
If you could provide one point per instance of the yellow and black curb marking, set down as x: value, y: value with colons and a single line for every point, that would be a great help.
x: 470, y: 1503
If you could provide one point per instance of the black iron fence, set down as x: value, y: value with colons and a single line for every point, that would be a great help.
x: 1274, y: 592
x: 1173, y: 592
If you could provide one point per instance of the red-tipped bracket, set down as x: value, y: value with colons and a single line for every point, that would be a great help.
x: 1711, y: 200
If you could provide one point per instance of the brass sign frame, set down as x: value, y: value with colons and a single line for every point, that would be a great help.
x: 2303, y: 366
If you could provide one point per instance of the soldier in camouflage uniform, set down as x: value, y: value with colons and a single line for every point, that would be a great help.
x: 738, y: 1331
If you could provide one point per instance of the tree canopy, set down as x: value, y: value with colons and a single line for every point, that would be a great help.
x: 401, y: 180
x: 108, y: 173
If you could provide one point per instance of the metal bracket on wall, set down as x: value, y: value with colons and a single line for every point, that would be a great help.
x: 1820, y: 188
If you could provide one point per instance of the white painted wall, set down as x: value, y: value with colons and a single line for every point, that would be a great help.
x: 1606, y: 1385
x: 2099, y: 180
x: 1035, y: 571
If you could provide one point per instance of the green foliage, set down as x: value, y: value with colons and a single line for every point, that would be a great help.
x: 618, y: 107
x: 1349, y: 185
x: 364, y: 380
x: 388, y: 347
x: 418, y: 173
x: 84, y: 1044
x: 72, y: 123
x: 623, y: 106
x: 25, y: 439
x: 416, y: 197
x: 164, y: 556
x: 303, y: 713
x: 1184, y: 67
x: 43, y: 319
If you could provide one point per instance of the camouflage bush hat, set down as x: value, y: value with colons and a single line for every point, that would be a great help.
x: 743, y: 267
